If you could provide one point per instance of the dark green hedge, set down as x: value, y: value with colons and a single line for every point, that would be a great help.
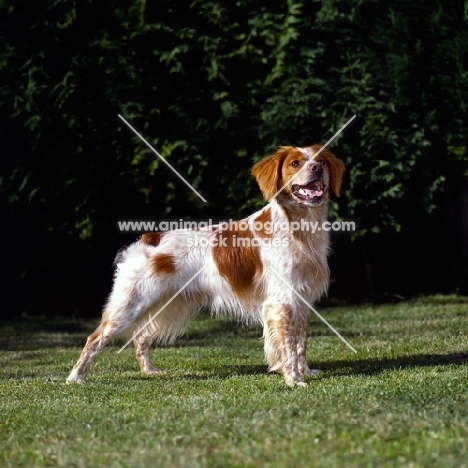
x: 215, y: 85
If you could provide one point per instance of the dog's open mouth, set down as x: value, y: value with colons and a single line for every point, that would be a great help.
x: 311, y: 191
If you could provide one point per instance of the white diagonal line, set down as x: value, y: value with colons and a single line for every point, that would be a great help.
x: 313, y: 310
x: 161, y: 158
x: 318, y: 152
x: 161, y: 309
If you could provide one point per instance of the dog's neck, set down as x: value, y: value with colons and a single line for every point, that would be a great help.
x: 298, y: 211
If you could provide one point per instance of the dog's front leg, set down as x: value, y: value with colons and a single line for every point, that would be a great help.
x: 281, y: 342
x: 301, y: 336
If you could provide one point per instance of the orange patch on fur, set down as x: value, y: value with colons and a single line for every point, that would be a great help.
x: 163, y: 264
x: 151, y: 238
x: 267, y: 172
x: 264, y: 219
x: 96, y: 334
x: 237, y: 260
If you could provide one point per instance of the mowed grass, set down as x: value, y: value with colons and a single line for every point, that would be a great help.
x: 401, y: 401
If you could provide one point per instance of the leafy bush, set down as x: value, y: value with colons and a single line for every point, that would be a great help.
x: 216, y: 85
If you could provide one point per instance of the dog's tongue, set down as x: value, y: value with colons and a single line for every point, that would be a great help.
x: 312, y: 190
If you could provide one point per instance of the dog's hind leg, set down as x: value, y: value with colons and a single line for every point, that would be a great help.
x: 163, y: 326
x: 120, y: 314
x: 103, y: 334
x: 143, y: 344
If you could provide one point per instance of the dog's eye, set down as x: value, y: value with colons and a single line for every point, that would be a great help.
x: 321, y: 161
x: 295, y: 163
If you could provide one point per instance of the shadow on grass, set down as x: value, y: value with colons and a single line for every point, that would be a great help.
x: 350, y: 368
x: 32, y: 335
x: 375, y: 366
x: 330, y: 369
x: 225, y: 372
x: 35, y: 333
x: 220, y: 372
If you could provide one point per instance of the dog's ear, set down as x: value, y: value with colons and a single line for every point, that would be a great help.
x: 335, y: 168
x: 268, y: 172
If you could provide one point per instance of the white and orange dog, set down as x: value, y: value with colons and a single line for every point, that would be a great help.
x: 253, y: 273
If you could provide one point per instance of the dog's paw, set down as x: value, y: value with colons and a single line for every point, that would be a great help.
x: 152, y: 370
x: 75, y: 381
x: 300, y: 384
x: 75, y: 378
x: 310, y: 372
x: 294, y: 382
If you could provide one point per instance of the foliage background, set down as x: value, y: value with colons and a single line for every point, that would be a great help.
x: 215, y: 86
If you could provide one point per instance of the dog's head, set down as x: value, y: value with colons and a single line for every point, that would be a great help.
x: 306, y: 175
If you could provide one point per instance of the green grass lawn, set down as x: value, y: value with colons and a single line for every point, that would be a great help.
x: 401, y: 401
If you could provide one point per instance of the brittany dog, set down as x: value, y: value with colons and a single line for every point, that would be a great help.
x: 256, y: 270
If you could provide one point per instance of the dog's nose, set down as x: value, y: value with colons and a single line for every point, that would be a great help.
x: 316, y: 167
